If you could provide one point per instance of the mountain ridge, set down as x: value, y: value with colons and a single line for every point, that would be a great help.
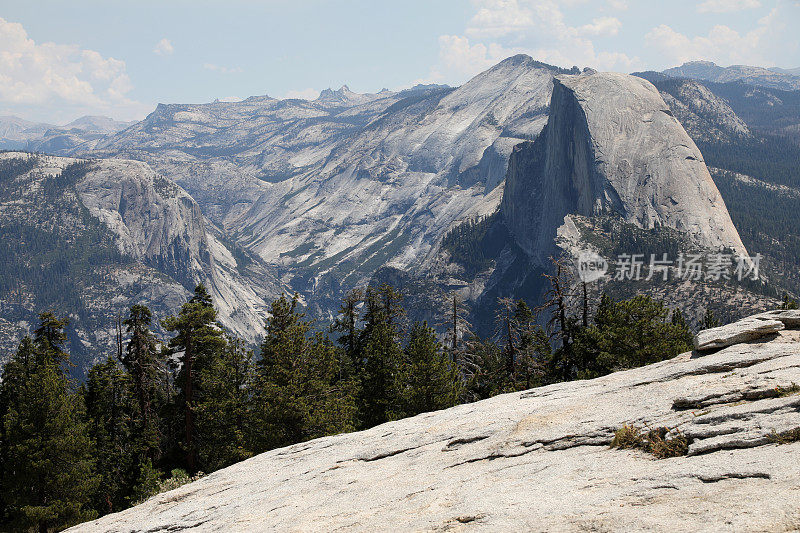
x: 331, y: 196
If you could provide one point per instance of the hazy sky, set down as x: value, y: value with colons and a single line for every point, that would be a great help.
x: 62, y: 59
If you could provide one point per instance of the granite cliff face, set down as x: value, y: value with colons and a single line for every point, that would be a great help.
x: 538, y: 460
x: 612, y: 146
x: 157, y: 223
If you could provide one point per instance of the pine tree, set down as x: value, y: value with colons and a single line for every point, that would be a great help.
x: 382, y: 357
x: 430, y: 379
x: 281, y: 410
x: 347, y: 324
x: 709, y: 320
x: 141, y: 359
x: 788, y: 303
x: 556, y: 304
x: 224, y: 411
x: 681, y: 327
x: 199, y: 340
x: 48, y: 472
x: 15, y: 376
x: 507, y: 332
x: 484, y: 370
x: 628, y: 334
x: 534, y: 348
x: 330, y: 392
x: 457, y: 325
x: 110, y: 409
x: 299, y: 393
x: 50, y: 338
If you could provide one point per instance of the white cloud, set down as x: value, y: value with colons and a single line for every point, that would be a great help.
x: 302, y: 94
x: 722, y: 44
x: 58, y: 81
x: 164, y: 47
x: 602, y: 26
x: 618, y: 5
x: 501, y: 28
x: 221, y: 69
x: 460, y: 58
x: 499, y: 17
x: 727, y: 6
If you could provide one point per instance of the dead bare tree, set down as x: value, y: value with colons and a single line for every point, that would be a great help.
x: 457, y: 325
x: 507, y: 331
x: 556, y: 304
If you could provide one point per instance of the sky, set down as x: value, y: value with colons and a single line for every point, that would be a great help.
x: 61, y: 60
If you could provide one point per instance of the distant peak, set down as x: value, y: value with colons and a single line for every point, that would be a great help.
x: 526, y: 61
x: 699, y: 62
x: 342, y: 93
x: 258, y: 98
x: 518, y: 59
x: 426, y: 86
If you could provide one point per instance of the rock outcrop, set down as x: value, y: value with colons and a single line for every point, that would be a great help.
x: 744, y: 330
x: 612, y: 146
x: 157, y: 223
x: 534, y: 461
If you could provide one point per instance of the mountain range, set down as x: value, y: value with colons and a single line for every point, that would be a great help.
x: 412, y: 187
x: 772, y: 78
x: 17, y: 133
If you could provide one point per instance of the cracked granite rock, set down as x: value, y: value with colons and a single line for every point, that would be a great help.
x: 533, y: 461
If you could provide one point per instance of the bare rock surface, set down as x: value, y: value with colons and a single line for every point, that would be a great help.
x: 706, y: 116
x: 533, y: 461
x: 744, y: 330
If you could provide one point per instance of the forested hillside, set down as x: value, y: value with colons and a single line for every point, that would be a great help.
x: 89, y: 238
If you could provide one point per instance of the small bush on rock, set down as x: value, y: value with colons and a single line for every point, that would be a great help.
x: 785, y: 437
x: 178, y: 478
x: 661, y: 442
x: 628, y: 437
x: 794, y: 388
